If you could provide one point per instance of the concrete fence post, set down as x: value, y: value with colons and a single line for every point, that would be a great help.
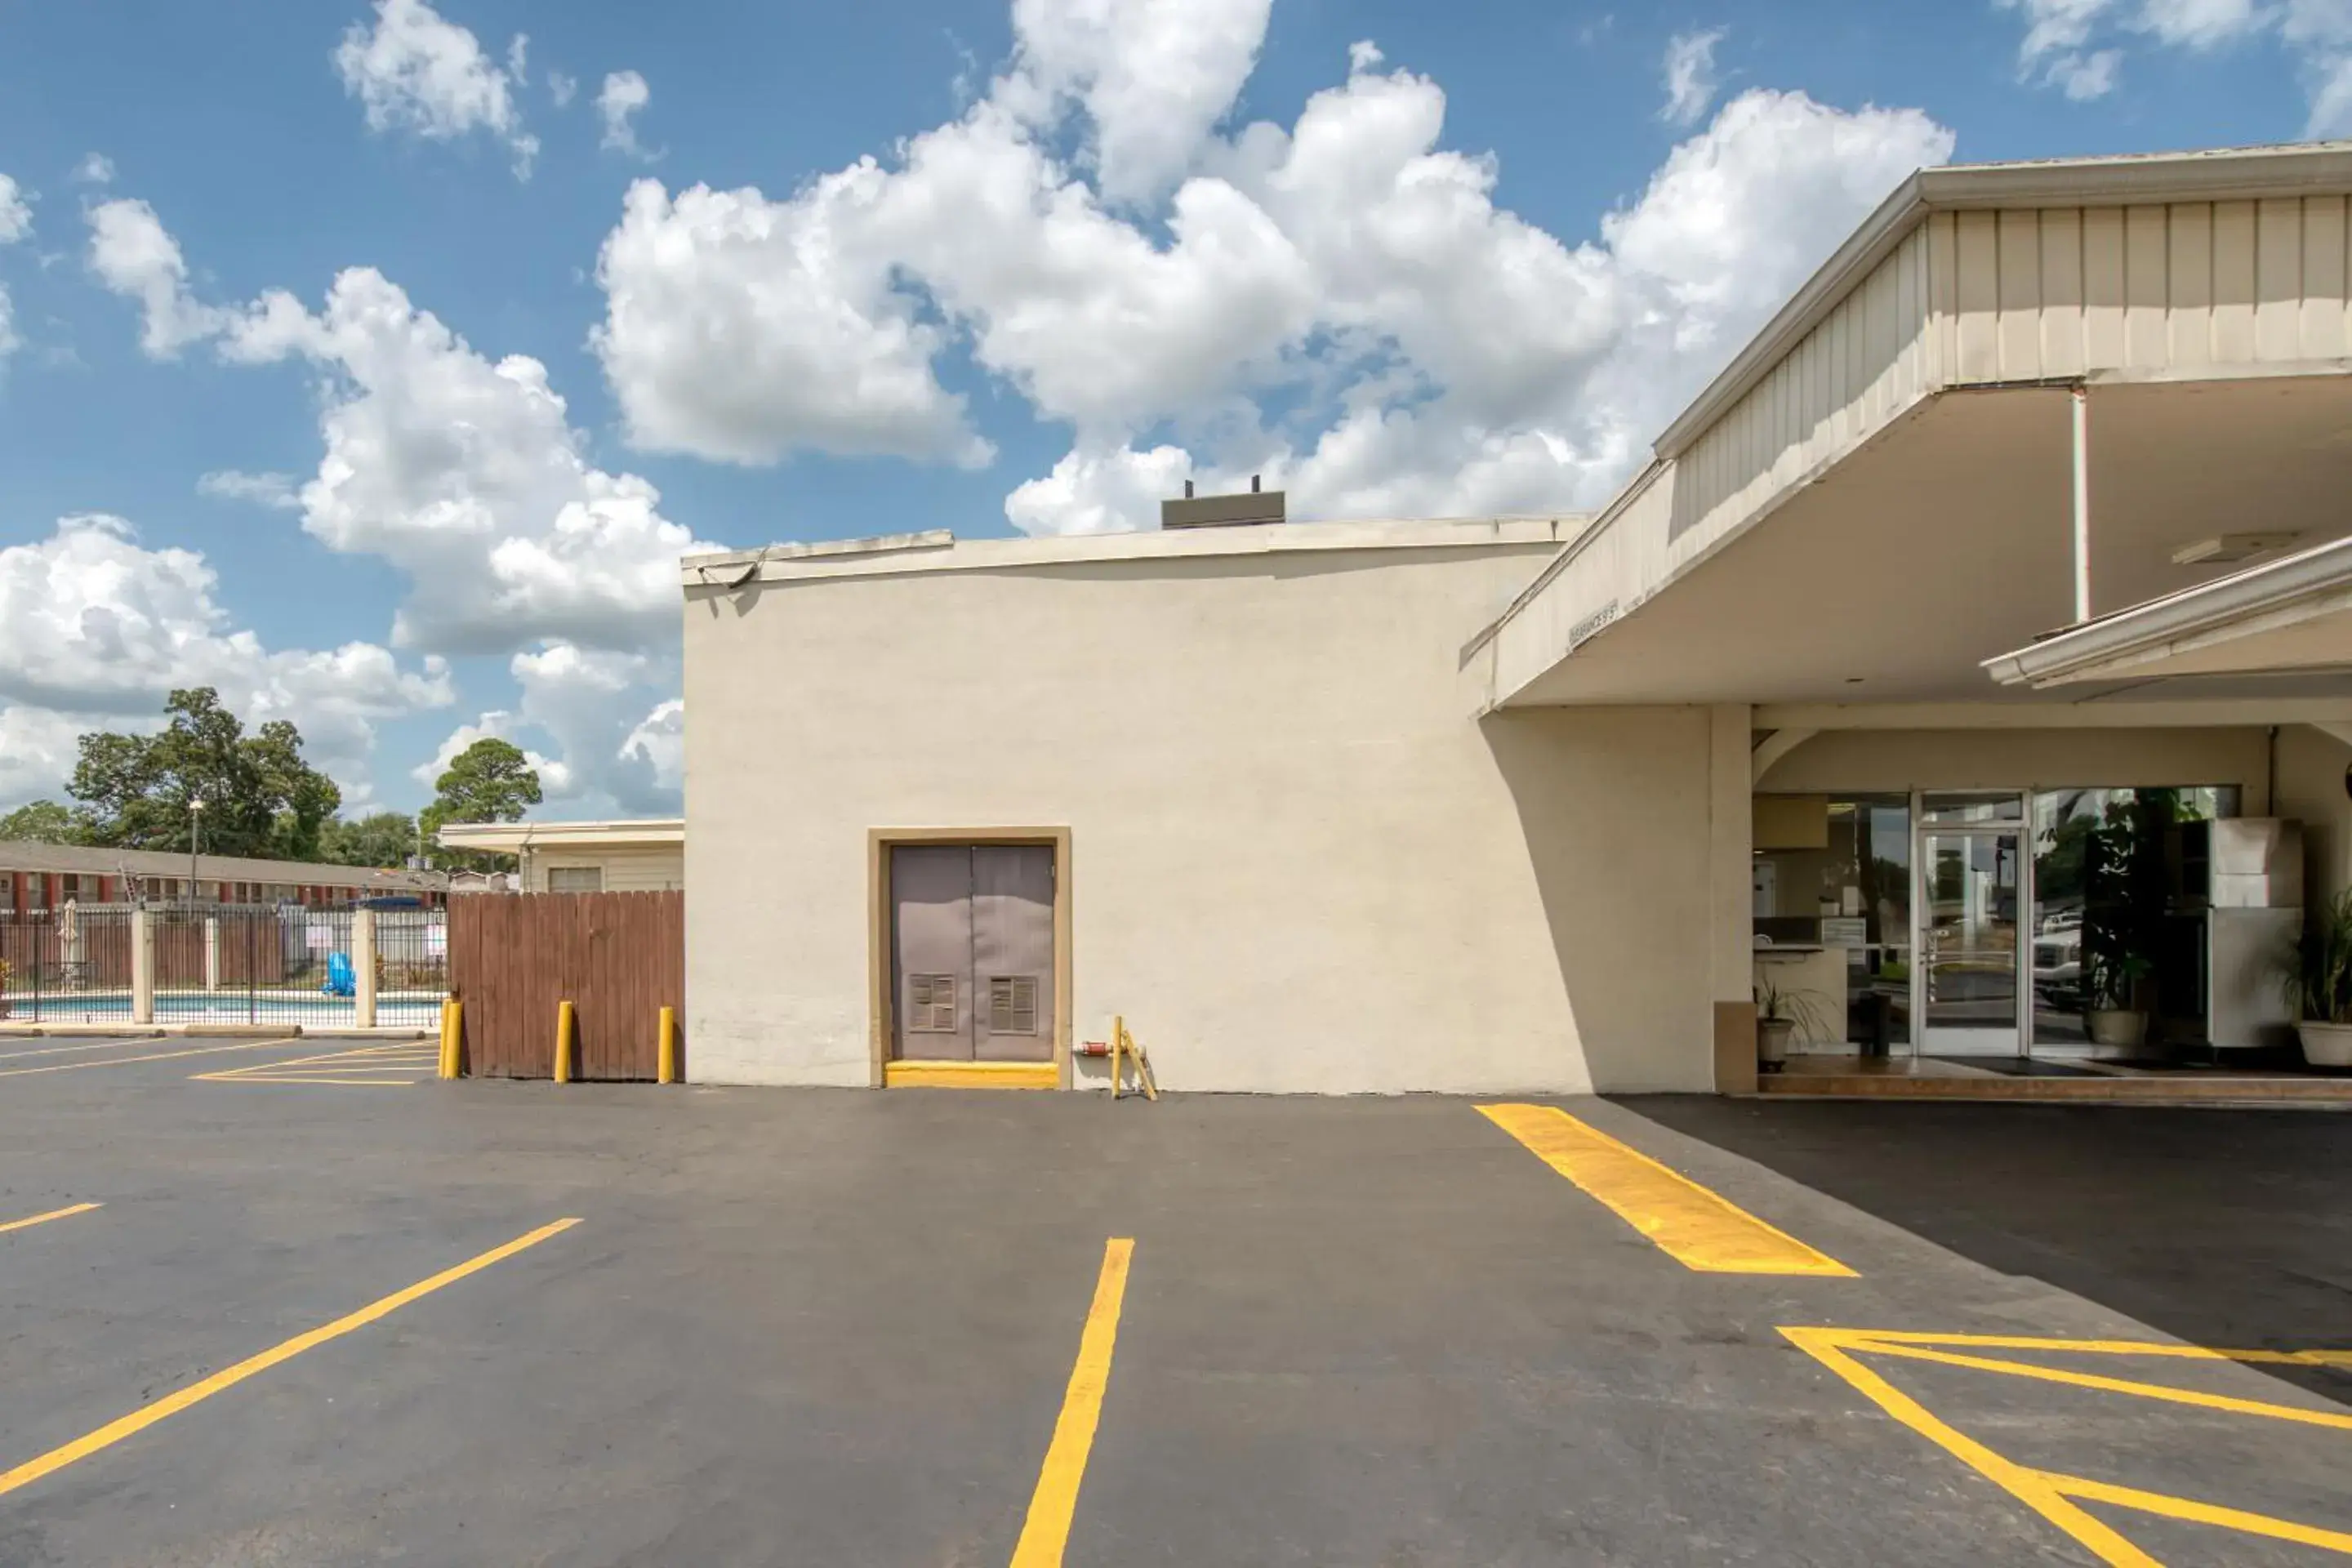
x: 212, y: 952
x: 363, y: 967
x: 142, y: 966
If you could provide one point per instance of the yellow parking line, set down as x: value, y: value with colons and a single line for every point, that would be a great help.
x: 171, y: 1404
x: 2053, y: 1493
x: 2156, y: 1390
x: 2195, y: 1513
x: 339, y: 1082
x: 2030, y: 1486
x: 67, y: 1213
x: 149, y: 1056
x: 2100, y: 1347
x: 363, y: 1059
x: 1700, y: 1228
x: 1047, y: 1531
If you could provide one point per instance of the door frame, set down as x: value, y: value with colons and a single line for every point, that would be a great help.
x: 881, y: 999
x: 2022, y: 827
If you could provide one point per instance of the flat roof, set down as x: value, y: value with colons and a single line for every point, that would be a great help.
x: 507, y: 837
x: 24, y: 855
x: 940, y: 551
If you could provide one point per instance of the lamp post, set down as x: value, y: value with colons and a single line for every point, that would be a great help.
x: 195, y: 836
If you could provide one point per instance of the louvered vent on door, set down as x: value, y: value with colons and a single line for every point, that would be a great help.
x: 1012, y: 1004
x: 930, y: 1004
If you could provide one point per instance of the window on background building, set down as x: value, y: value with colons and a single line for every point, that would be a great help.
x: 37, y: 891
x: 1832, y: 905
x: 575, y: 879
x: 2106, y: 863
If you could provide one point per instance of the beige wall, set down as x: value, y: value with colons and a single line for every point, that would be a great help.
x: 1297, y: 864
x: 625, y: 871
x: 1887, y: 760
x: 2311, y: 775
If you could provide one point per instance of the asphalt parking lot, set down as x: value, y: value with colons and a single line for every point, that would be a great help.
x: 325, y: 1312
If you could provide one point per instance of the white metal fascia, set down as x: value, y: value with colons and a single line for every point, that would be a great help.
x: 2101, y: 713
x: 2261, y: 598
x: 1141, y: 547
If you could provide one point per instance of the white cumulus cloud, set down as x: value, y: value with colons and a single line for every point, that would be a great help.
x: 275, y: 491
x: 616, y: 736
x: 15, y: 224
x: 624, y: 94
x: 2058, y: 48
x: 819, y: 353
x: 134, y: 255
x: 414, y: 70
x: 462, y: 471
x: 95, y: 629
x: 1154, y: 78
x: 1690, y: 76
x: 1428, y: 348
x: 15, y: 214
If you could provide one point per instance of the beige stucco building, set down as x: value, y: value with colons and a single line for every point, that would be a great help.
x: 1536, y: 803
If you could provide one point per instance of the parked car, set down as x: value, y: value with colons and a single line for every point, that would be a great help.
x: 2058, y: 962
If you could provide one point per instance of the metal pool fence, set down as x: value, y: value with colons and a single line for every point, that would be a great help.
x: 65, y: 965
x: 226, y: 964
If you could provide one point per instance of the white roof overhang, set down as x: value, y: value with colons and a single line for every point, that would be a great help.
x: 1874, y: 497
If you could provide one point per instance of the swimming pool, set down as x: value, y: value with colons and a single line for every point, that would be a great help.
x: 308, y: 1008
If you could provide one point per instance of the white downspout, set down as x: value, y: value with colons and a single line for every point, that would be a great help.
x: 2082, y: 401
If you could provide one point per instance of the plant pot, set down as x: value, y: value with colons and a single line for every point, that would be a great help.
x: 1772, y: 1036
x: 2118, y: 1028
x: 2325, y: 1044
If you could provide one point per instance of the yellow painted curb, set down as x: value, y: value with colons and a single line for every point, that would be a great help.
x: 971, y: 1075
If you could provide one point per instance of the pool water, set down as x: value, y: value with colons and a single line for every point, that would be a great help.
x: 274, y: 1007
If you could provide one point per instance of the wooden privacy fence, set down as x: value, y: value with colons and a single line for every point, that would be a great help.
x: 618, y: 958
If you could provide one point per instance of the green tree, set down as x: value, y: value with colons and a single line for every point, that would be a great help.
x: 260, y: 798
x: 381, y: 838
x: 41, y: 822
x: 489, y: 781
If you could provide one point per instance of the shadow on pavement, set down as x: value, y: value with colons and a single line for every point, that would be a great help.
x: 2219, y: 1227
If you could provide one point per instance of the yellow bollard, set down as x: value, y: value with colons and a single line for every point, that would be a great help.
x: 563, y: 1029
x: 444, y: 1069
x: 665, y: 1063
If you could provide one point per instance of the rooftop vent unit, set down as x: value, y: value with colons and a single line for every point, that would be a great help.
x: 1222, y: 511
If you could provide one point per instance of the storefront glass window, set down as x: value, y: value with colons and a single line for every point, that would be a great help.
x: 2105, y: 864
x: 1959, y: 810
x: 1831, y: 883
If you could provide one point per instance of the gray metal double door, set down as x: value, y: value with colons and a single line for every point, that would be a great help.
x: 971, y: 952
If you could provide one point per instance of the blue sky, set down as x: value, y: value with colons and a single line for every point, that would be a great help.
x: 1404, y: 258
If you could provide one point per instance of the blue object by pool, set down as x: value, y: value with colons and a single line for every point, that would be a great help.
x: 339, y: 981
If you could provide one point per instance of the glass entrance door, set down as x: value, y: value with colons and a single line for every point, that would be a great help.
x: 1970, y: 962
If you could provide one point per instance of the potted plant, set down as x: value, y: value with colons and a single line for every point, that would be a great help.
x: 2320, y: 976
x: 1778, y: 1014
x: 2123, y: 899
x: 2112, y: 971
